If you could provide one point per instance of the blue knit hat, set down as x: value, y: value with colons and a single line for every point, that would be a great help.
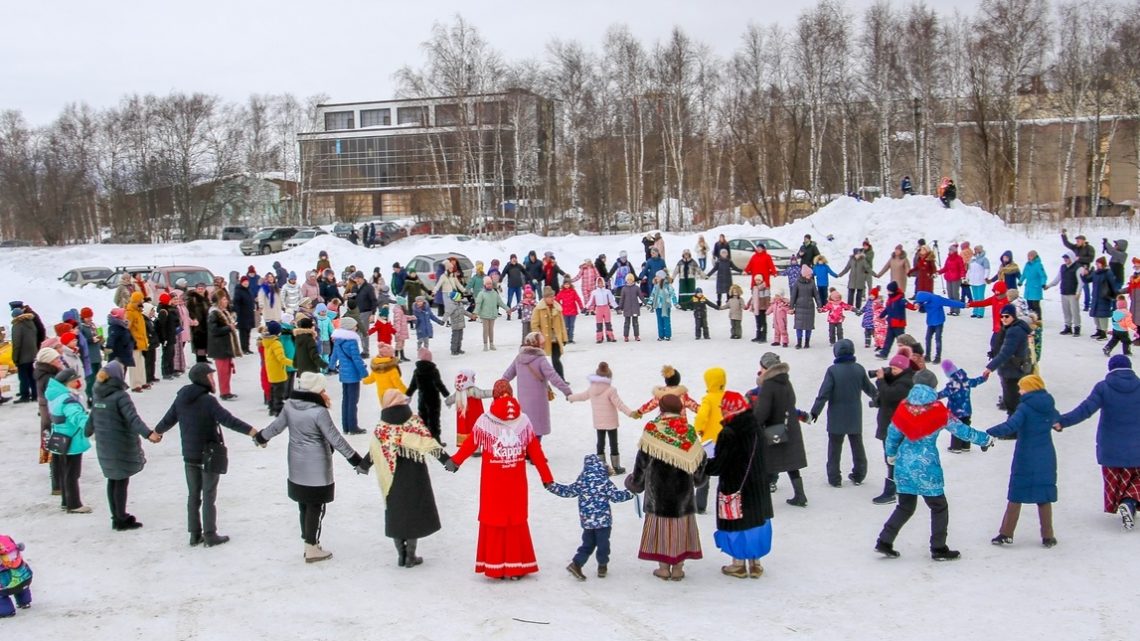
x: 273, y: 327
x: 1120, y: 361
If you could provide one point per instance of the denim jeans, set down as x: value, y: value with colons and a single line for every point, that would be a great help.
x: 349, y: 399
x: 598, y: 539
x: 569, y: 320
x: 515, y: 294
x: 935, y: 332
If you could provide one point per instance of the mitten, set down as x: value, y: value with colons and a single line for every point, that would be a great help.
x: 450, y: 466
x: 989, y: 444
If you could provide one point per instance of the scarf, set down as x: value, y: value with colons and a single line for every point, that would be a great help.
x: 410, y: 439
x: 670, y: 439
x: 226, y: 320
x: 270, y: 293
x: 507, y: 441
x: 919, y: 421
x: 184, y: 318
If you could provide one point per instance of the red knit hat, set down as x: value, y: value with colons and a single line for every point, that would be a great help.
x: 164, y: 298
x: 505, y: 408
x: 732, y: 404
x: 67, y: 338
x: 61, y: 328
x: 86, y: 312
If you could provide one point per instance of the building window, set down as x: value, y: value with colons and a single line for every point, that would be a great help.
x: 447, y: 115
x: 411, y: 116
x: 335, y: 120
x: 375, y: 117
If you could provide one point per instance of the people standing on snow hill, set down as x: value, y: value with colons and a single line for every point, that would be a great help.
x: 702, y: 251
x: 1117, y: 398
x: 1103, y: 292
x: 898, y: 265
x: 947, y: 192
x: 1008, y: 271
x: 924, y: 270
x: 1117, y: 255
x: 842, y: 384
x: 912, y: 446
x: 906, y: 187
x: 1069, y: 278
x: 536, y: 377
x: 685, y: 274
x: 977, y: 275
x: 605, y: 403
x: 804, y: 300
x: 1032, y: 282
x: 722, y: 267
x: 953, y: 273
x: 1033, y: 473
x: 594, y: 491
x: 859, y: 266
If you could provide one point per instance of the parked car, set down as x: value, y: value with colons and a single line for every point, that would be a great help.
x: 390, y: 232
x: 342, y: 230
x: 163, y: 279
x: 428, y: 227
x: 127, y: 238
x: 1080, y: 206
x: 236, y: 233
x: 425, y: 265
x: 14, y: 243
x: 267, y: 241
x: 81, y: 276
x: 302, y: 237
x: 742, y: 249
x: 135, y: 271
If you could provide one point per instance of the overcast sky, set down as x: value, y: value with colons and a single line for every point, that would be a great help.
x: 57, y: 51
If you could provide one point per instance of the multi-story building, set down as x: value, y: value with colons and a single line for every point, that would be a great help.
x: 454, y: 159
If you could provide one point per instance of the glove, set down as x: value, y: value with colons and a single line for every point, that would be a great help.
x: 814, y: 417
x: 450, y: 466
x: 355, y: 460
x: 259, y: 440
x: 548, y: 485
x: 989, y: 444
x: 891, y: 460
x: 361, y: 469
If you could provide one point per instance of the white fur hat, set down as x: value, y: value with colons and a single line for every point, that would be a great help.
x: 311, y: 382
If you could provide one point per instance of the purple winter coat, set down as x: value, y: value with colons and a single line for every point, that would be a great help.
x: 534, y: 372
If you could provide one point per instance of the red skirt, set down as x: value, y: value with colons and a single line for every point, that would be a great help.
x: 1120, y: 483
x: 505, y: 551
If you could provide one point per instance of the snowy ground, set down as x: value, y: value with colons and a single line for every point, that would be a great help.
x: 822, y: 580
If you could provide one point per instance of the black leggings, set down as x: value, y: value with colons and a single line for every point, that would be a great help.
x: 602, y: 442
x: 793, y: 475
x: 311, y: 516
x: 556, y: 358
x: 117, y: 499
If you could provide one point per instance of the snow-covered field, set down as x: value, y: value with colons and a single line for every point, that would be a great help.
x: 822, y: 580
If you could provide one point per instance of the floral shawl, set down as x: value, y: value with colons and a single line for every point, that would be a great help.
x: 671, y: 439
x: 410, y: 439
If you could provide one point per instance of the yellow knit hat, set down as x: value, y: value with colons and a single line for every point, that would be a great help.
x: 1031, y: 383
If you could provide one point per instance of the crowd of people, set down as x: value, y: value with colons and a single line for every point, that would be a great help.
x: 305, y: 331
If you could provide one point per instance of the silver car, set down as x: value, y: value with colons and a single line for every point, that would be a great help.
x: 87, y: 275
x: 743, y: 248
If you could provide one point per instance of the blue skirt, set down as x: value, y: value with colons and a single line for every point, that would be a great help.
x: 746, y: 544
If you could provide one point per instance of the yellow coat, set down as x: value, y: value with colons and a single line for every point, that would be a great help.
x: 385, y: 375
x: 275, y: 360
x: 549, y: 322
x: 708, y: 422
x: 136, y: 325
x: 6, y: 355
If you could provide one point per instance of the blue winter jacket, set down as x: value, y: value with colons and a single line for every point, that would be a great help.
x: 918, y: 470
x: 661, y: 298
x: 1033, y: 279
x: 346, y: 355
x: 424, y: 319
x: 595, y: 492
x: 1033, y: 473
x: 120, y: 342
x: 822, y: 273
x: 1117, y: 398
x: 935, y: 307
x: 1103, y: 294
x: 1014, y: 350
x: 868, y: 314
x: 957, y: 393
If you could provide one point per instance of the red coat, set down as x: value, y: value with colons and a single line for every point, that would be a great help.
x: 502, y: 486
x: 570, y: 301
x: 995, y: 302
x: 955, y: 267
x: 923, y: 272
x: 384, y: 331
x: 761, y: 265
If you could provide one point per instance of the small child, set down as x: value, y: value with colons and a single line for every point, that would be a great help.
x: 324, y: 327
x: 275, y: 364
x: 571, y: 304
x: 526, y: 308
x: 601, y: 304
x: 701, y: 307
x: 661, y: 301
x: 822, y: 273
x: 1122, y: 324
x: 631, y: 299
x: 457, y: 317
x: 758, y: 304
x: 400, y: 323
x: 424, y: 318
x: 346, y: 354
x: 1033, y: 477
x: 1037, y: 338
x: 735, y: 306
x: 290, y: 347
x: 778, y: 309
x: 468, y: 402
x: 385, y: 374
x: 605, y: 403
x: 382, y: 328
x: 595, y: 491
x: 957, y: 392
x: 15, y: 577
x: 834, y: 309
x: 427, y: 381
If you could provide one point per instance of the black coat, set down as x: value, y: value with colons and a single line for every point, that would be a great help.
x: 668, y: 489
x: 535, y: 272
x: 151, y: 334
x: 365, y: 298
x: 603, y: 271
x: 198, y: 413
x: 774, y: 403
x: 427, y: 381
x: 410, y: 511
x: 120, y: 342
x: 116, y: 427
x: 199, y: 309
x: 722, y: 268
x: 717, y: 246
x: 221, y: 341
x: 1012, y: 350
x: 243, y: 308
x: 807, y: 253
x: 307, y: 358
x: 738, y: 442
x: 892, y: 391
x: 167, y: 324
x: 514, y: 275
x: 328, y: 290
x: 842, y: 388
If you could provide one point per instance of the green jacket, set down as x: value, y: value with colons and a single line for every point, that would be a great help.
x: 487, y: 304
x: 68, y: 416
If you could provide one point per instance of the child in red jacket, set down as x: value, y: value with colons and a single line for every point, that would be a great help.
x: 571, y: 304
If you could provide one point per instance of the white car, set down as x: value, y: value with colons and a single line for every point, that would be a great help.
x: 743, y: 248
x: 302, y: 237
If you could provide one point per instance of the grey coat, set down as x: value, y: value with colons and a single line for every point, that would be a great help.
x: 722, y: 267
x: 116, y: 427
x: 631, y: 300
x: 861, y: 273
x: 805, y: 302
x: 840, y: 391
x: 312, y: 439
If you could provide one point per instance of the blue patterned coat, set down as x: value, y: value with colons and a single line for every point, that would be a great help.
x: 595, y: 492
x: 918, y: 469
x: 957, y: 392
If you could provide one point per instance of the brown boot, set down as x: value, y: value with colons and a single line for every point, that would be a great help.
x: 677, y: 572
x: 755, y: 570
x: 662, y: 572
x: 738, y: 569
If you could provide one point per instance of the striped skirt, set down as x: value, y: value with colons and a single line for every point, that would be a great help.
x: 670, y: 541
x: 1120, y: 483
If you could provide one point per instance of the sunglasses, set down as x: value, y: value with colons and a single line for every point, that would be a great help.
x: 1006, y: 316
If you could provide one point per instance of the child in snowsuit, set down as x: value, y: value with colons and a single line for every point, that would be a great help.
x: 382, y: 328
x: 871, y: 321
x: 276, y: 363
x: 1033, y: 475
x: 424, y: 318
x: 778, y: 309
x: 735, y: 306
x: 427, y: 381
x: 468, y: 402
x: 834, y: 310
x: 701, y: 307
x: 661, y: 300
x: 457, y: 317
x: 935, y: 307
x: 758, y: 304
x: 601, y: 303
x: 912, y: 447
x: 605, y: 403
x: 400, y: 323
x: 385, y: 374
x: 595, y: 491
x: 957, y: 393
x: 708, y: 423
x: 894, y: 312
x: 15, y: 577
x: 1122, y: 324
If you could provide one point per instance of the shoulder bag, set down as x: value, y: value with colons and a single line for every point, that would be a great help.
x: 730, y: 507
x: 215, y: 456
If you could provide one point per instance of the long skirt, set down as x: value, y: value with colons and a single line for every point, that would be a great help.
x: 1120, y: 483
x: 505, y: 551
x: 685, y: 288
x: 180, y: 355
x: 670, y: 540
x: 752, y: 543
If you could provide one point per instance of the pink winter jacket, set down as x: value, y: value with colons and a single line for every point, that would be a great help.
x: 588, y: 275
x: 604, y: 401
x: 779, y: 309
x: 399, y: 321
x: 835, y: 310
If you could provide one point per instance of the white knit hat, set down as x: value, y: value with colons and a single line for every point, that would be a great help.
x: 311, y: 382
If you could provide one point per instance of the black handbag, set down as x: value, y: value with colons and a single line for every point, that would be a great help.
x: 58, y: 443
x: 215, y: 458
x: 776, y: 434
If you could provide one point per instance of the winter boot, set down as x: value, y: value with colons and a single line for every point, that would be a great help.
x: 945, y: 554
x: 807, y: 342
x: 663, y: 571
x: 404, y: 359
x: 401, y: 551
x: 1002, y: 539
x: 410, y: 558
x: 195, y: 539
x: 886, y: 549
x: 615, y: 462
x: 314, y: 554
x: 677, y: 572
x: 603, y: 571
x: 755, y: 570
x: 576, y: 570
x: 889, y: 494
x: 799, y: 343
x: 212, y: 539
x: 599, y: 336
x: 799, y: 499
x: 1068, y: 331
x: 738, y: 569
